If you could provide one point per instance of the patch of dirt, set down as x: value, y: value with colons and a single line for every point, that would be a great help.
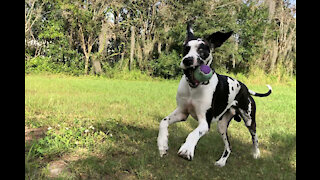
x: 34, y: 133
x: 56, y: 168
x: 59, y: 166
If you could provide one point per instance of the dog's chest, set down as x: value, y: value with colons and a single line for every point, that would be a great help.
x: 195, y: 100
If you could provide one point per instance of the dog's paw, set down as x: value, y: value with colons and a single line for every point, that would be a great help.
x: 221, y: 162
x: 163, y: 151
x: 256, y: 153
x: 186, y: 152
x: 163, y: 145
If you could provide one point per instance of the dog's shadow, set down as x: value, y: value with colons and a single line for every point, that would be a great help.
x: 136, y: 154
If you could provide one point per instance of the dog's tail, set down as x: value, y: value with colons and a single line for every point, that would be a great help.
x: 261, y: 95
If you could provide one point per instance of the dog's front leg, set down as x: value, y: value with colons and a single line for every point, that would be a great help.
x: 186, y: 151
x: 176, y: 116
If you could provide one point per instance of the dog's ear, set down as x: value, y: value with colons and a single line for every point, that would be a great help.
x: 218, y: 38
x: 190, y: 35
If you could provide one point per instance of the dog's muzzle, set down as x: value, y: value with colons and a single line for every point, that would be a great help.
x: 188, y: 61
x: 189, y: 71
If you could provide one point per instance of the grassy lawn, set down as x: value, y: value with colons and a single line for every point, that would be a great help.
x: 98, y: 128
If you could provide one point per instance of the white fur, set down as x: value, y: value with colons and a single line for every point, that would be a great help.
x: 194, y: 44
x: 175, y: 116
x: 195, y: 101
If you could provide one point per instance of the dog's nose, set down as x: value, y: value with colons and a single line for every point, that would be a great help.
x: 188, y: 61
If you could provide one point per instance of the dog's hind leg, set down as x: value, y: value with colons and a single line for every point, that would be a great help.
x: 222, y: 128
x: 162, y: 141
x: 247, y: 111
x: 252, y: 128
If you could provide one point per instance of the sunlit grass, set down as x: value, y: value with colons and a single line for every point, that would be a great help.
x: 122, y: 118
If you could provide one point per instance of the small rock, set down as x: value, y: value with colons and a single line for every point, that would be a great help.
x: 56, y: 168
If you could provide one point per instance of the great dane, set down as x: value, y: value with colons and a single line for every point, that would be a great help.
x: 218, y: 100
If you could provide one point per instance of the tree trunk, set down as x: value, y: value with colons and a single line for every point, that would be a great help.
x: 96, y: 66
x: 132, y: 46
x: 159, y: 47
x: 86, y: 64
x: 87, y: 52
x: 274, y: 55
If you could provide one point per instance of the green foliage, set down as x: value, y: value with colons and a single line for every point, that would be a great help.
x: 61, y: 140
x: 167, y: 65
x: 45, y: 64
x: 125, y: 74
x: 256, y: 31
x: 252, y: 25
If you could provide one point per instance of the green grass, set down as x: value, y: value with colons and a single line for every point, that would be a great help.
x: 107, y: 129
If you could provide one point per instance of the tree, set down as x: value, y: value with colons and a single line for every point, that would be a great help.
x: 86, y: 18
x: 94, y: 35
x: 33, y: 10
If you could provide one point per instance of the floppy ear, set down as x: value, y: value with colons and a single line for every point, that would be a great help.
x: 218, y: 38
x: 190, y: 35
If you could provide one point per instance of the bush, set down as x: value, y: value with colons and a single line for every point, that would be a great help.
x: 39, y: 64
x: 167, y: 66
x: 45, y: 64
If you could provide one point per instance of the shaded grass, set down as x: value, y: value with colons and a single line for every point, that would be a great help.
x: 125, y: 116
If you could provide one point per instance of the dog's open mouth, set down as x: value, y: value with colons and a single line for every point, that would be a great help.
x: 189, y: 72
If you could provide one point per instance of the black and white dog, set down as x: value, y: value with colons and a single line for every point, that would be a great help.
x: 218, y: 100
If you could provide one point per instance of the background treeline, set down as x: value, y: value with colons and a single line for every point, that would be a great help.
x: 105, y: 37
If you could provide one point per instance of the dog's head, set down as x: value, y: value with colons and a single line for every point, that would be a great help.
x: 197, y: 51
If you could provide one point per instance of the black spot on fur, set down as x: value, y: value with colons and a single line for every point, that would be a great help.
x: 237, y: 118
x: 225, y: 153
x: 232, y: 88
x: 200, y: 133
x: 165, y: 119
x: 203, y: 51
x: 219, y: 99
x: 242, y: 97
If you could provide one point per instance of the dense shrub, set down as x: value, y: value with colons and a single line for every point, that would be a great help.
x: 45, y: 64
x: 167, y: 65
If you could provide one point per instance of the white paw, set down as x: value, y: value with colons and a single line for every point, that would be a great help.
x: 256, y: 153
x: 221, y: 162
x: 163, y: 147
x: 163, y: 151
x: 186, y: 151
x: 162, y: 142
